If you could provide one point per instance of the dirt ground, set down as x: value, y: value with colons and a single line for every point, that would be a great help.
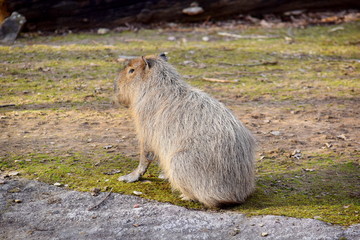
x: 325, y: 125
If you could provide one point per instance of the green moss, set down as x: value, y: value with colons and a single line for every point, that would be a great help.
x: 325, y: 193
x: 82, y: 173
x: 328, y: 192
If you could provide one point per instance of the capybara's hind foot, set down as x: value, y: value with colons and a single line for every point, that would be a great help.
x: 185, y: 198
x: 132, y: 177
x: 162, y: 176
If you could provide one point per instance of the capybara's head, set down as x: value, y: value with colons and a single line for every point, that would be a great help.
x: 129, y: 81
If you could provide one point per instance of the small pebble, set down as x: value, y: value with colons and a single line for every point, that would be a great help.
x: 58, y: 184
x: 146, y: 181
x: 275, y: 133
x: 102, y: 31
x: 205, y: 38
x: 171, y: 38
x: 328, y: 145
x: 137, y: 193
x: 136, y: 205
x: 309, y: 170
x: 95, y: 191
x: 14, y: 173
x: 296, y: 154
x: 193, y: 10
x: 235, y: 232
x: 264, y: 234
x: 112, y: 172
x: 17, y: 201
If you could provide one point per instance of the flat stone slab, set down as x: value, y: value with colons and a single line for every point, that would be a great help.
x: 47, y: 212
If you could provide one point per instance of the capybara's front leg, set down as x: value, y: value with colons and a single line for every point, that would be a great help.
x: 145, y: 159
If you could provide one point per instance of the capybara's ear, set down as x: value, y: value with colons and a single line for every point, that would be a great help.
x: 149, y: 63
x: 145, y: 62
x: 163, y: 57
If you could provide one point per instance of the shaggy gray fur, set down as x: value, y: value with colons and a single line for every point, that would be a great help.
x: 204, y: 151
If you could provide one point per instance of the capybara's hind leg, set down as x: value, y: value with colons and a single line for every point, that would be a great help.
x: 177, y: 172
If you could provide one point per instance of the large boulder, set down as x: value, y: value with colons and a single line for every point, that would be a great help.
x: 11, y: 27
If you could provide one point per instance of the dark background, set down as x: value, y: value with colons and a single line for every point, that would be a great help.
x: 87, y: 14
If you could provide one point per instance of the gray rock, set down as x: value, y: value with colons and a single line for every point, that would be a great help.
x: 103, y: 31
x: 49, y: 212
x: 11, y: 27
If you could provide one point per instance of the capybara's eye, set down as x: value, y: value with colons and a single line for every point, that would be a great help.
x: 131, y: 70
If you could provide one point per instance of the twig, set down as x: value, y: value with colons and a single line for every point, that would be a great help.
x: 133, y: 40
x: 219, y: 80
x: 225, y: 34
x: 233, y: 73
x: 250, y: 65
x: 7, y: 105
x: 98, y: 204
x: 123, y: 58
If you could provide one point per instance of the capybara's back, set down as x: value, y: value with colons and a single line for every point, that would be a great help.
x: 204, y: 151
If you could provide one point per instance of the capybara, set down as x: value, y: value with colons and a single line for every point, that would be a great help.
x: 203, y: 149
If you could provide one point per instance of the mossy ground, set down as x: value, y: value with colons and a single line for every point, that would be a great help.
x: 64, y: 129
